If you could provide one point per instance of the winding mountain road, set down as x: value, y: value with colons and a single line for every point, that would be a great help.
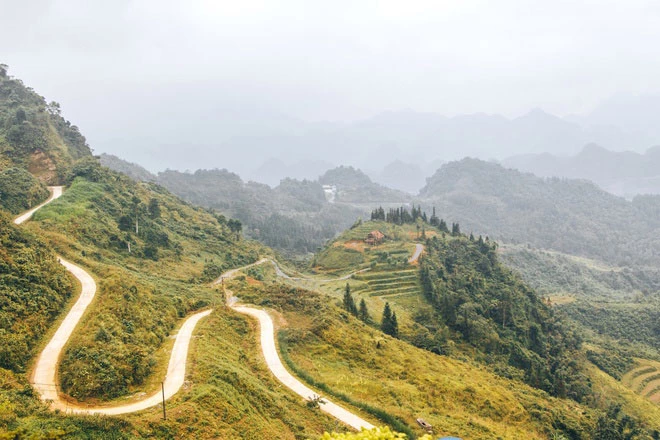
x: 269, y: 349
x: 273, y: 361
x: 282, y: 374
x: 44, y: 377
x: 55, y: 192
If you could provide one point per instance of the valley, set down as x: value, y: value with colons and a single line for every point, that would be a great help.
x: 368, y: 310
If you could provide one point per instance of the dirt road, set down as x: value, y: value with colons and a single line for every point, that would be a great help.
x: 44, y: 376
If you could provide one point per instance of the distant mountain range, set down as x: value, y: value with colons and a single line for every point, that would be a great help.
x: 568, y: 215
x: 625, y: 173
x: 303, y: 150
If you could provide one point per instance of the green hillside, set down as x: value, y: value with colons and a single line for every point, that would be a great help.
x: 33, y: 288
x: 466, y: 304
x: 153, y: 256
x: 474, y: 352
x: 20, y: 190
x: 571, y: 216
x: 33, y: 134
x: 352, y: 361
x: 294, y: 217
x: 354, y: 186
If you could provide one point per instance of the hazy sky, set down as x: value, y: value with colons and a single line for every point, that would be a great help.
x: 130, y: 65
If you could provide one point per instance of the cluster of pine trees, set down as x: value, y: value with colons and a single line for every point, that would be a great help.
x: 389, y: 323
x: 484, y: 304
x: 402, y: 215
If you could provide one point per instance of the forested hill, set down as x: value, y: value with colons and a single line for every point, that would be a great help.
x: 356, y: 187
x: 571, y: 216
x: 293, y: 217
x: 34, y: 135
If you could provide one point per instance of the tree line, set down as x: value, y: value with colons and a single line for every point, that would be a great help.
x: 401, y: 216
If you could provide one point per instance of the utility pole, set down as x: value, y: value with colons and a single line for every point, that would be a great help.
x: 162, y: 387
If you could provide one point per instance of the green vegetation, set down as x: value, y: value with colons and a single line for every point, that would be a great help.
x: 484, y: 304
x: 353, y: 186
x: 571, y: 216
x: 33, y: 288
x: 20, y: 190
x: 33, y: 134
x: 483, y: 331
x: 293, y: 217
x: 150, y: 253
x: 637, y: 323
x: 346, y: 359
x: 380, y: 433
x: 233, y: 396
x: 551, y: 272
x: 389, y: 323
x: 469, y: 306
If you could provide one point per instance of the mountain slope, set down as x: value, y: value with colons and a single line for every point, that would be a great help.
x: 353, y: 361
x: 467, y: 305
x: 570, y: 216
x: 33, y: 134
x: 294, y: 217
x: 151, y: 255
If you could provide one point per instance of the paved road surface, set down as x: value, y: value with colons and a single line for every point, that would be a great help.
x: 44, y: 377
x: 55, y: 192
x: 274, y: 363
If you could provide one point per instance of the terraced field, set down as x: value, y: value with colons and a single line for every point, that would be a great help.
x: 390, y: 283
x: 644, y: 380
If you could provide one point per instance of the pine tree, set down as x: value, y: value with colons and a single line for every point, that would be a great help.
x: 394, y: 326
x: 363, y: 313
x: 349, y: 303
x: 443, y: 226
x: 386, y: 322
x: 434, y: 220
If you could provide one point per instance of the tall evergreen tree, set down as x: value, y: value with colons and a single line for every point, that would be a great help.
x: 349, y: 303
x: 386, y: 324
x: 363, y: 313
x: 434, y: 220
x: 394, y: 326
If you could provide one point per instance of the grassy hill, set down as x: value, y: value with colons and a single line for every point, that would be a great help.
x: 294, y: 217
x: 352, y: 361
x: 121, y: 349
x: 466, y: 305
x: 478, y: 354
x: 152, y: 256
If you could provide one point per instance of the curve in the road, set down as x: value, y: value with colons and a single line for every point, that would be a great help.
x: 55, y: 192
x: 44, y: 377
x: 282, y: 374
x: 269, y: 348
x: 274, y: 362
